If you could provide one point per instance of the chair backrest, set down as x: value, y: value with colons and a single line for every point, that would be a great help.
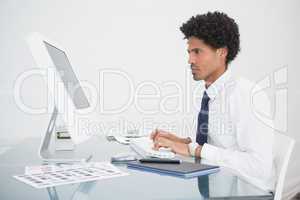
x: 283, y: 147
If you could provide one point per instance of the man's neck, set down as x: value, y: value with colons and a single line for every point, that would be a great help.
x: 214, y: 76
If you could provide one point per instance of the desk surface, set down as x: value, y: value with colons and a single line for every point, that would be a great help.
x: 138, y: 185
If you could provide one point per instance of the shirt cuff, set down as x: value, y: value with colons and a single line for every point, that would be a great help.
x: 192, y: 148
x: 209, y: 152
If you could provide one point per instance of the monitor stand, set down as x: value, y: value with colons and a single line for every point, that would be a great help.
x: 47, y: 150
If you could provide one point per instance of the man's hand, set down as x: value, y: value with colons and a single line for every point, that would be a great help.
x: 198, y: 151
x: 167, y: 135
x: 169, y: 140
x: 176, y: 147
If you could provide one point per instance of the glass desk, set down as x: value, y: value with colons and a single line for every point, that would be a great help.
x: 138, y: 185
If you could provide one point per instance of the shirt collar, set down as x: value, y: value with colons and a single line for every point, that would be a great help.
x: 217, y: 86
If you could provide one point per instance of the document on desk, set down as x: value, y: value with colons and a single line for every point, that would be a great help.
x: 91, y: 171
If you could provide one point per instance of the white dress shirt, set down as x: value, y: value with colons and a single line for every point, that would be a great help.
x: 237, y: 139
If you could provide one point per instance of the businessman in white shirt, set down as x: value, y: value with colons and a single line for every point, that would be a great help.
x: 228, y: 133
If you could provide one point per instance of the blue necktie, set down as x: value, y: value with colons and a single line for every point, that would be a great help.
x: 202, y: 127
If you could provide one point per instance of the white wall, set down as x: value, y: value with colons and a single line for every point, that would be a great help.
x: 142, y: 39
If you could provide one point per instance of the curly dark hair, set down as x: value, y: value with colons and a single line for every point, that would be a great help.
x: 216, y: 29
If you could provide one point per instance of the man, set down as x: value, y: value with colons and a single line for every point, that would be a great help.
x: 228, y: 133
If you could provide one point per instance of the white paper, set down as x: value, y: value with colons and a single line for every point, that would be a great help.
x: 71, y: 174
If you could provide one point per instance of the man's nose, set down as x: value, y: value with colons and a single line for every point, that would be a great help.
x: 191, y: 60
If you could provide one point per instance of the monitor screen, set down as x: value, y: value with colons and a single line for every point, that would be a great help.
x: 68, y: 76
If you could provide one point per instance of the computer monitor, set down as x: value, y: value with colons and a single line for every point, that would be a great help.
x: 68, y: 102
x: 70, y: 81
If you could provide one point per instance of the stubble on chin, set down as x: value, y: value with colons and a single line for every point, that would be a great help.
x: 197, y: 78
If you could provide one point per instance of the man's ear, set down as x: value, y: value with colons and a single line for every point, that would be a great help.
x: 222, y: 52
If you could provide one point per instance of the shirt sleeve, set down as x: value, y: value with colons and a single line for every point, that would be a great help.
x: 253, y: 156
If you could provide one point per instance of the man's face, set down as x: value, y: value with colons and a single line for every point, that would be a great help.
x: 205, y: 61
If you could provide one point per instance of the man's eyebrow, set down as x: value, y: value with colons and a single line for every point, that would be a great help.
x: 193, y: 50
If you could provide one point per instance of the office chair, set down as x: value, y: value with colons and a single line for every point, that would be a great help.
x: 283, y: 147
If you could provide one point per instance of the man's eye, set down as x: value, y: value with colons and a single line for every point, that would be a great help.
x: 196, y: 51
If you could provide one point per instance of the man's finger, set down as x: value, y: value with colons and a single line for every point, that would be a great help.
x: 153, y: 134
x: 160, y: 142
x: 156, y: 146
x: 164, y: 134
